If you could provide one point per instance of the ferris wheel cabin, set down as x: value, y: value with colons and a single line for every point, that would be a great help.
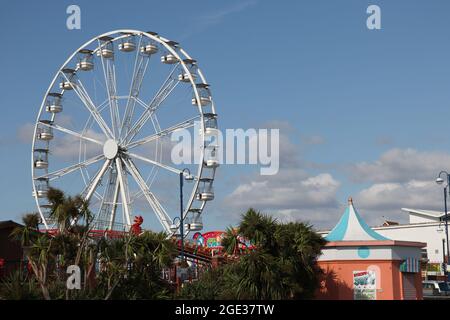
x: 191, y: 65
x: 106, y: 48
x: 211, y: 161
x: 41, y: 187
x: 205, y: 189
x: 203, y: 92
x: 169, y: 59
x: 148, y: 49
x: 127, y: 44
x: 68, y: 79
x: 194, y: 220
x: 43, y: 131
x: 41, y: 158
x: 86, y: 58
x: 211, y: 124
x: 54, y: 102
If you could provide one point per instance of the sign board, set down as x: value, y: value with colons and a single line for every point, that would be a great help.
x: 213, y: 240
x: 364, y: 285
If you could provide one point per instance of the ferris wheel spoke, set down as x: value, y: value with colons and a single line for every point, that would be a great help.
x: 182, y: 125
x: 61, y: 172
x: 87, y: 101
x: 93, y: 109
x: 158, y: 164
x: 71, y: 132
x: 123, y: 191
x: 109, y: 74
x: 114, y: 204
x: 166, y: 89
x: 154, y: 203
x: 140, y: 67
x: 90, y: 188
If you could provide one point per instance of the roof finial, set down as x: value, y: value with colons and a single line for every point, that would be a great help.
x: 350, y: 201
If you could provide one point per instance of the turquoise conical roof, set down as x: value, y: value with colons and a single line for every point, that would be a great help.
x: 351, y: 227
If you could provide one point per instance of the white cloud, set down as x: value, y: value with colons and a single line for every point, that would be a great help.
x: 400, y: 165
x: 68, y: 146
x: 63, y: 146
x: 399, y: 178
x: 387, y: 199
x: 313, y: 140
x: 290, y: 195
x: 25, y: 133
x: 289, y: 189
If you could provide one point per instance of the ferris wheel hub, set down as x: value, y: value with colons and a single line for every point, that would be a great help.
x: 110, y: 149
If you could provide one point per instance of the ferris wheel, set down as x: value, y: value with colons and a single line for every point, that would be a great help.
x: 104, y: 131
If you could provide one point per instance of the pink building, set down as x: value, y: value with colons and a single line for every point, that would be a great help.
x: 361, y: 264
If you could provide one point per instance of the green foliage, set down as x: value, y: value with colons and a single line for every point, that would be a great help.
x: 16, y: 286
x: 26, y: 234
x: 31, y: 220
x: 258, y: 228
x: 283, y: 265
x: 211, y: 286
x: 129, y: 267
x: 230, y: 241
x: 66, y: 209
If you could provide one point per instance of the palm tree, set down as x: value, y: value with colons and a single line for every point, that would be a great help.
x: 68, y: 211
x: 131, y: 266
x: 25, y: 234
x: 298, y: 248
x: 259, y: 277
x: 258, y: 228
x: 46, y: 252
x: 160, y: 250
x: 39, y: 256
x: 231, y: 241
x: 283, y: 264
x: 31, y: 220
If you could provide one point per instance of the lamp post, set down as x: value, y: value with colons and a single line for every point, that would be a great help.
x: 441, y: 180
x: 184, y: 174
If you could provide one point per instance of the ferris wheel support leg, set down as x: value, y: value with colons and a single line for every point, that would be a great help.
x: 123, y: 192
x: 114, y: 206
x: 156, y: 206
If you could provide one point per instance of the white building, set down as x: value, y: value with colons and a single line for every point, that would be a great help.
x: 424, y: 226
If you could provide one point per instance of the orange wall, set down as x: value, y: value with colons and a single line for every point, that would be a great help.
x: 337, y: 283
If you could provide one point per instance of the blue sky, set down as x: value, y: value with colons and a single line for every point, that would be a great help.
x: 361, y: 112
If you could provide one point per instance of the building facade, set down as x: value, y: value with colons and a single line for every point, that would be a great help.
x: 361, y: 264
x: 424, y: 226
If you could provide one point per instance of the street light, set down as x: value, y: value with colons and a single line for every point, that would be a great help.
x: 440, y: 181
x: 184, y: 174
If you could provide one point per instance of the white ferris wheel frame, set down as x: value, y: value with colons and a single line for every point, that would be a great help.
x: 124, y: 163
